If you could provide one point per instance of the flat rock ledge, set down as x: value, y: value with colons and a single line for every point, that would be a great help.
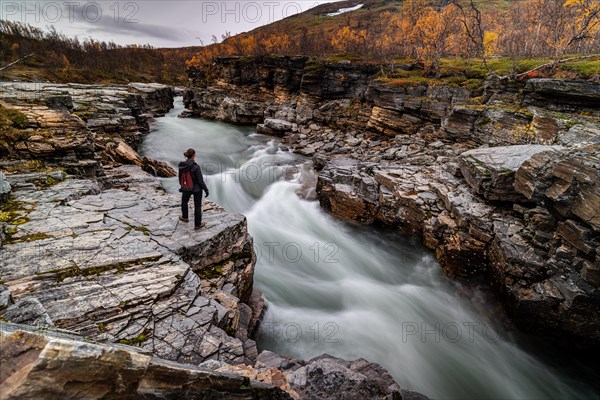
x: 118, y: 266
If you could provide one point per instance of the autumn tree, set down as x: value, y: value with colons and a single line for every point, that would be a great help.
x: 490, y: 43
x: 387, y: 36
x: 65, y: 65
x: 275, y: 44
x: 583, y: 22
x: 471, y: 20
x: 431, y: 36
x: 347, y: 39
x: 14, y: 48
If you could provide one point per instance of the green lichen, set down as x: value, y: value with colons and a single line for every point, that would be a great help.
x: 11, y: 117
x: 5, y: 216
x: 31, y: 165
x: 62, y: 274
x: 142, y: 229
x: 101, y: 327
x: 230, y: 330
x: 46, y: 182
x: 14, y: 213
x: 74, y: 270
x: 20, y: 221
x: 246, y: 384
x: 27, y: 238
x: 483, y: 121
x: 212, y: 272
x: 141, y: 338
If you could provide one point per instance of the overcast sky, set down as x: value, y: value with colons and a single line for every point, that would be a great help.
x: 161, y: 23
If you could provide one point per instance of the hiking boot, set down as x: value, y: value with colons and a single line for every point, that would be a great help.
x: 184, y: 219
x: 202, y: 225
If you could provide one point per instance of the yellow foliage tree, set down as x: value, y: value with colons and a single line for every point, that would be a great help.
x: 347, y: 39
x: 275, y: 44
x: 581, y: 21
x: 248, y: 45
x: 490, y: 43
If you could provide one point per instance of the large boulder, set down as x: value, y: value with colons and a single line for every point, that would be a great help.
x: 347, y: 193
x: 563, y: 92
x: 331, y: 378
x: 568, y: 181
x: 491, y: 171
x: 278, y: 125
x: 123, y: 153
x: 158, y: 98
x: 580, y: 135
x: 327, y: 377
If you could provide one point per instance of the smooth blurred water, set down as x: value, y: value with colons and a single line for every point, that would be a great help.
x: 355, y: 291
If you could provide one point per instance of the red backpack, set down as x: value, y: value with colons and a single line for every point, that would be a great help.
x: 186, y: 181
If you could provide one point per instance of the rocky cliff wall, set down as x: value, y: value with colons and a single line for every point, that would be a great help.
x: 502, y: 182
x: 50, y: 364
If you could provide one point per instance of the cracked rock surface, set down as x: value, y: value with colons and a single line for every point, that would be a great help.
x: 118, y: 265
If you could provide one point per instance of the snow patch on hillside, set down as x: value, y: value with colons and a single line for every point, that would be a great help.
x: 344, y: 10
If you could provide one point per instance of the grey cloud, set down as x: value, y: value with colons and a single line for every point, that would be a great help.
x: 139, y: 30
x: 133, y: 27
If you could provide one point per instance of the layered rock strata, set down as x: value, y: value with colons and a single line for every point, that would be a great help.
x: 78, y: 127
x: 117, y: 265
x: 49, y: 365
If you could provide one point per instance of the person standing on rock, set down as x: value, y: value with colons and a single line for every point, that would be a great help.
x: 192, y: 183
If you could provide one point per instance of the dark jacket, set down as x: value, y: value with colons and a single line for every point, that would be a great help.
x: 190, y: 165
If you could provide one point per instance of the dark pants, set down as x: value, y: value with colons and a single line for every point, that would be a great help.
x: 185, y: 198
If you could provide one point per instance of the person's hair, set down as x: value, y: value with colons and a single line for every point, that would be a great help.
x: 189, y: 153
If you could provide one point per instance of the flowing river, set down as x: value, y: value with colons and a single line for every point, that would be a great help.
x: 355, y: 291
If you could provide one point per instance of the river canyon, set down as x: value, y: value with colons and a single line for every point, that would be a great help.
x: 449, y: 236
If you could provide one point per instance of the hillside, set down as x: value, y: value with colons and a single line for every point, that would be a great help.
x: 436, y: 37
x: 58, y: 58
